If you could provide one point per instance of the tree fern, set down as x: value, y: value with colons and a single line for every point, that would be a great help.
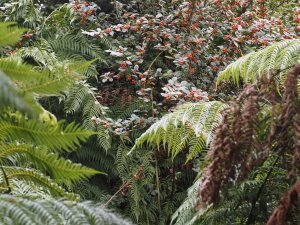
x: 190, y: 126
x: 248, y: 68
x: 31, y: 143
x: 17, y: 210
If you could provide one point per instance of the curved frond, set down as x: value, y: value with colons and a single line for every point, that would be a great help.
x: 37, y: 178
x: 17, y: 211
x: 73, y: 46
x: 191, y: 126
x: 54, y: 136
x: 61, y: 170
x: 250, y: 67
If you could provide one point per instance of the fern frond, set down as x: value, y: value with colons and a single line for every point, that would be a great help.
x: 17, y: 210
x: 37, y: 178
x: 81, y: 98
x: 43, y: 57
x: 24, y: 12
x: 54, y: 136
x: 43, y: 83
x: 191, y: 126
x: 125, y: 110
x: 70, y: 46
x: 97, y: 158
x: 50, y: 85
x: 61, y: 170
x: 21, y: 72
x: 250, y: 67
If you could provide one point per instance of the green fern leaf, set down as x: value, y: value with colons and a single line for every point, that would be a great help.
x: 192, y: 126
x: 17, y: 211
x: 54, y: 136
x: 250, y: 67
x: 61, y: 170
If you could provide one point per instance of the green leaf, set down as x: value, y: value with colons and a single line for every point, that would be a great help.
x: 54, y: 136
x: 61, y: 170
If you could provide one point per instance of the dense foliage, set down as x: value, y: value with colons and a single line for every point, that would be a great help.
x: 167, y: 112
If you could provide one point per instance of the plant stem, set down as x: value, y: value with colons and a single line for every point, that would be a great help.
x: 6, y: 179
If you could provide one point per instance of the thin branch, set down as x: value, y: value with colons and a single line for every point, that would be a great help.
x: 125, y: 185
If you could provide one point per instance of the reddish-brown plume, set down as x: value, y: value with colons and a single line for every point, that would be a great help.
x: 238, y: 145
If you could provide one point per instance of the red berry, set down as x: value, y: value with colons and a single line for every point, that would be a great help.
x: 128, y: 77
x: 234, y: 27
x: 27, y: 36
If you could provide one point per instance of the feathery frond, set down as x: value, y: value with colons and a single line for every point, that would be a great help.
x: 13, y: 172
x: 61, y: 170
x: 81, y: 98
x: 191, y: 126
x: 72, y: 46
x: 250, y: 67
x: 17, y: 210
x: 54, y: 136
